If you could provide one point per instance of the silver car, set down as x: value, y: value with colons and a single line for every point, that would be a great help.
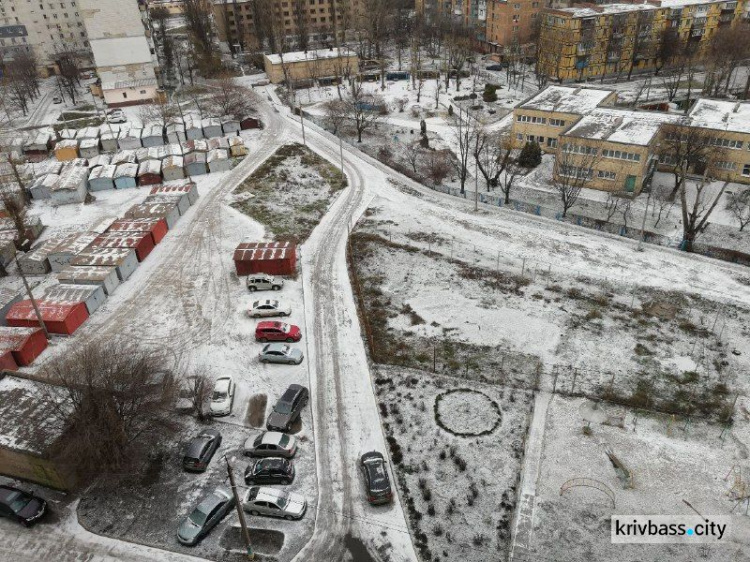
x: 271, y: 444
x: 203, y: 518
x: 223, y: 396
x: 272, y: 502
x: 264, y: 282
x: 280, y: 353
x: 266, y: 308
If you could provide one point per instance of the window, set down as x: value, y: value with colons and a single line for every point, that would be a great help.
x: 746, y: 170
x: 576, y: 172
x: 606, y: 175
x: 726, y: 143
x: 557, y: 122
x: 579, y: 149
x: 516, y: 6
x: 530, y: 119
x: 621, y: 155
x: 516, y: 18
x: 722, y: 165
x: 124, y: 94
x: 519, y: 136
x: 552, y: 143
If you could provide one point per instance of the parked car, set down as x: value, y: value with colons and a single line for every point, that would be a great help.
x: 201, y: 450
x: 222, y: 399
x: 277, y: 331
x: 264, y: 282
x: 375, y: 473
x: 280, y: 353
x: 271, y: 444
x: 56, y: 100
x: 269, y: 307
x: 116, y: 116
x: 205, y: 516
x: 272, y: 470
x: 21, y: 506
x: 273, y: 502
x: 288, y: 408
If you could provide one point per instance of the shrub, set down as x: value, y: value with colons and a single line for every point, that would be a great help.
x: 531, y: 155
x: 437, y: 530
x: 490, y: 93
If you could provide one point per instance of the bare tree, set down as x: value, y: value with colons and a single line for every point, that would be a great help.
x: 683, y: 149
x: 573, y: 172
x: 612, y: 205
x: 511, y: 172
x: 642, y: 45
x: 301, y: 23
x: 198, y: 19
x: 492, y: 153
x: 229, y: 98
x: 69, y: 76
x: 336, y: 114
x: 413, y: 155
x: 363, y: 109
x: 159, y: 16
x: 197, y: 389
x: 663, y: 202
x: 697, y: 207
x: 113, y: 401
x: 728, y: 48
x: 437, y: 166
x: 465, y: 130
x: 739, y: 206
x: 668, y: 48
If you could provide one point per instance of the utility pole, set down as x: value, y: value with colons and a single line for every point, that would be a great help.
x: 32, y: 299
x: 341, y: 154
x: 643, y: 224
x: 240, y: 512
x: 302, y: 120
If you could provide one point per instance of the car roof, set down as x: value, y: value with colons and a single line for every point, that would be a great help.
x: 213, y: 499
x: 270, y: 324
x: 264, y: 493
x: 222, y: 383
x: 272, y: 437
x: 7, y: 492
x: 291, y: 392
x: 373, y: 455
x: 276, y: 346
x: 270, y: 462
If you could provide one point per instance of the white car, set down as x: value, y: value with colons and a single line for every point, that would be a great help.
x: 116, y: 116
x: 272, y: 502
x: 223, y: 396
x: 269, y: 307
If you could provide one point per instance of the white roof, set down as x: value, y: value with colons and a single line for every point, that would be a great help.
x: 172, y: 162
x: 107, y: 171
x: 89, y: 143
x: 210, y: 122
x: 721, y: 115
x: 126, y: 170
x: 152, y: 130
x: 149, y: 167
x: 217, y: 154
x: 120, y: 51
x: 100, y: 160
x: 300, y: 56
x: 621, y: 125
x: 67, y: 143
x: 566, y: 99
x: 72, y: 178
x: 589, y: 11
x: 134, y: 133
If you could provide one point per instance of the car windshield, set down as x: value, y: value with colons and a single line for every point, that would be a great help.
x: 281, y: 502
x: 19, y: 501
x: 378, y: 476
x: 286, y: 328
x: 285, y: 350
x: 219, y: 395
x: 283, y: 408
x: 284, y: 441
x: 198, y: 517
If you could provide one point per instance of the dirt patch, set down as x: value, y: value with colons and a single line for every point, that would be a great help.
x: 290, y: 192
x: 357, y: 549
x: 465, y: 412
x: 256, y: 410
x: 263, y: 541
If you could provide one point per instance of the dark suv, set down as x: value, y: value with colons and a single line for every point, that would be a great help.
x: 25, y: 508
x: 375, y: 473
x: 288, y: 408
x: 200, y: 450
x: 272, y: 470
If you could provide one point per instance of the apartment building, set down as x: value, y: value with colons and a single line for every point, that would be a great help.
x: 310, y: 65
x: 727, y: 128
x: 44, y: 28
x: 250, y: 24
x: 513, y: 22
x: 543, y: 117
x: 588, y: 41
x: 123, y: 51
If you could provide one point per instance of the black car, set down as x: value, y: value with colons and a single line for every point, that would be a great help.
x: 288, y: 408
x: 22, y: 506
x: 375, y: 472
x: 200, y: 450
x: 271, y: 470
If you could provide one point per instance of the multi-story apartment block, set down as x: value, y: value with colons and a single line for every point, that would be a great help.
x: 619, y: 149
x: 588, y: 40
x: 45, y: 28
x: 543, y: 117
x: 123, y: 51
x: 513, y: 22
x: 251, y: 25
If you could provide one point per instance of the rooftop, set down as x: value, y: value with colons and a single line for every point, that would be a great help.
x: 721, y: 115
x: 301, y: 56
x: 591, y: 10
x: 621, y: 125
x: 567, y: 99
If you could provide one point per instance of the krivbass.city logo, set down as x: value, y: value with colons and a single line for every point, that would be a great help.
x: 660, y: 529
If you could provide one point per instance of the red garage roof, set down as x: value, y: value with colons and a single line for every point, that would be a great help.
x: 59, y: 318
x: 258, y: 251
x: 24, y: 343
x: 141, y: 242
x: 156, y: 226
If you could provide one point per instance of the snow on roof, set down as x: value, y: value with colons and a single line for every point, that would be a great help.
x: 85, y: 273
x: 301, y: 56
x: 217, y: 142
x: 42, y: 138
x: 66, y: 143
x: 620, y: 125
x: 617, y: 8
x: 102, y: 225
x: 69, y: 293
x: 74, y: 243
x: 134, y: 225
x: 152, y: 130
x: 157, y: 152
x: 120, y: 239
x: 47, y: 180
x: 26, y: 400
x: 174, y: 127
x: 88, y: 133
x: 7, y: 295
x: 126, y: 171
x: 182, y: 187
x: 217, y: 154
x: 120, y: 51
x: 75, y: 163
x: 124, y: 157
x: 567, y: 99
x: 67, y: 133
x: 173, y: 149
x: 103, y: 172
x: 102, y: 256
x: 41, y: 252
x: 133, y: 132
x: 229, y: 119
x: 149, y: 167
x: 49, y: 310
x: 150, y: 209
x: 100, y: 160
x: 72, y: 178
x: 89, y: 143
x: 721, y: 115
x: 210, y: 122
x: 236, y: 141
x: 195, y: 157
x: 172, y: 162
x: 255, y: 251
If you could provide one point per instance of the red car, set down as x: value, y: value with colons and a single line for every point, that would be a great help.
x: 277, y: 331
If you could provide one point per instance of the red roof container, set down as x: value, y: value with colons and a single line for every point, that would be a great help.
x: 7, y: 362
x: 62, y: 319
x: 142, y: 242
x: 26, y: 344
x: 157, y: 227
x: 274, y: 258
